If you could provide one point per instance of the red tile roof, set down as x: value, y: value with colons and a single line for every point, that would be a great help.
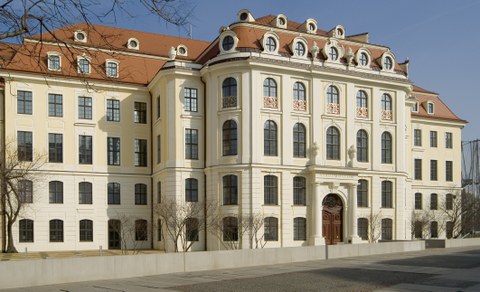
x: 441, y: 110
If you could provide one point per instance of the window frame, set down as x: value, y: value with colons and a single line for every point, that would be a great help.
x: 270, y: 138
x: 141, y: 230
x: 299, y: 141
x: 191, y: 190
x: 387, y: 194
x: 25, y: 191
x: 24, y: 146
x: 433, y: 170
x: 111, y: 71
x: 387, y: 229
x: 448, y: 140
x: 113, y: 110
x: 55, y: 192
x: 26, y: 230
x: 417, y: 137
x: 85, y: 108
x: 141, y: 197
x: 418, y: 201
x: 449, y: 171
x: 387, y: 148
x: 55, y: 105
x: 362, y: 146
x: 270, y: 231
x: 362, y: 193
x: 333, y: 143
x: 417, y: 169
x: 56, y: 230
x: 362, y: 228
x: 83, y: 65
x: 114, y: 193
x: 24, y: 102
x: 299, y: 191
x: 85, y: 193
x: 190, y: 97
x: 230, y: 189
x: 140, y: 154
x: 191, y: 144
x: 270, y: 190
x: 229, y: 138
x: 113, y: 151
x: 433, y: 139
x: 54, y: 59
x: 140, y: 115
x: 299, y: 229
x: 85, y: 149
x: 433, y: 201
x: 230, y: 229
x: 86, y: 230
x: 192, y: 231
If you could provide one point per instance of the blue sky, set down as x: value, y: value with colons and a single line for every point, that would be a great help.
x: 441, y: 38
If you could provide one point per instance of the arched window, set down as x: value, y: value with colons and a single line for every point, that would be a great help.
x: 113, y: 193
x: 362, y: 146
x: 270, y: 87
x: 299, y: 191
x: 270, y: 190
x: 299, y: 140
x: 299, y: 228
x: 270, y: 138
x: 56, y: 230
x: 141, y: 233
x: 191, y: 229
x: 333, y: 143
x: 230, y: 229
x: 55, y: 190
x: 230, y: 190
x: 362, y: 104
x: 299, y: 99
x: 387, y: 231
x: 191, y: 190
x: 386, y: 107
x: 449, y: 202
x: 333, y: 54
x: 387, y: 195
x: 362, y: 226
x: 362, y: 193
x: 229, y: 130
x: 86, y: 230
x: 25, y: 191
x: 229, y: 89
x: 386, y: 148
x: 270, y: 229
x: 85, y: 193
x: 25, y: 228
x: 333, y: 100
x: 270, y: 99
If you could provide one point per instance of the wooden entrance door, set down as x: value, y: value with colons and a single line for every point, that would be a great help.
x: 332, y: 219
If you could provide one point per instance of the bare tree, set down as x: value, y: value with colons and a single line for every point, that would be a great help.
x: 421, y: 223
x: 232, y: 229
x: 18, y: 172
x: 470, y: 221
x: 374, y: 226
x: 182, y: 221
x: 132, y: 230
x: 26, y: 17
x: 453, y: 212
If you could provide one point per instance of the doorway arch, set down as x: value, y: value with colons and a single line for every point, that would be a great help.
x: 332, y: 219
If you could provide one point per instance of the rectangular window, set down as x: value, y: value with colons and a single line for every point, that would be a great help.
x: 24, y: 146
x: 140, y: 113
x: 113, y: 193
x: 449, y: 170
x: 25, y: 191
x: 113, y: 151
x: 433, y: 138
x: 55, y: 105
x: 140, y: 155
x: 55, y: 190
x: 448, y: 140
x: 112, y: 69
x: 25, y: 230
x: 85, y: 149
x: 113, y: 110
x: 158, y: 107
x: 418, y: 169
x: 159, y: 230
x: 24, y: 102
x: 433, y: 170
x: 418, y: 201
x: 159, y: 150
x: 85, y: 193
x: 86, y: 230
x: 417, y: 137
x: 84, y: 107
x: 191, y: 99
x: 83, y: 66
x: 191, y: 144
x: 55, y: 148
x: 140, y: 194
x: 191, y: 190
x: 270, y: 189
x: 53, y: 62
x: 159, y: 192
x: 433, y: 201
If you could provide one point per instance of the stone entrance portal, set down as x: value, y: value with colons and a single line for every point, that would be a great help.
x: 332, y: 219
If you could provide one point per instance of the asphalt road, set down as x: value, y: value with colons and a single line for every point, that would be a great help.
x: 456, y: 269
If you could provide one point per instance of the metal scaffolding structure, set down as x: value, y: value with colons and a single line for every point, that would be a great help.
x: 471, y: 175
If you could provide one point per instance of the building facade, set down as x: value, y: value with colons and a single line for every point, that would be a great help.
x: 318, y: 135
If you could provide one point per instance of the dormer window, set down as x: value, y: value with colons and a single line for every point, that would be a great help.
x: 54, y: 62
x: 133, y: 44
x: 83, y: 65
x: 415, y: 107
x: 228, y: 41
x: 271, y: 43
x: 182, y: 50
x: 363, y: 59
x: 112, y: 69
x: 333, y: 54
x: 310, y: 26
x: 245, y: 15
x: 430, y: 108
x: 80, y: 36
x: 339, y: 32
x: 281, y: 21
x: 299, y: 49
x: 388, y: 63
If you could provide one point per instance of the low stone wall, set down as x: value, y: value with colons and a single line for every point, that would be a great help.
x: 26, y: 273
x: 447, y: 243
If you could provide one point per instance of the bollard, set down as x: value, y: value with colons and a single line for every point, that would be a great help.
x: 26, y: 251
x: 100, y: 250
